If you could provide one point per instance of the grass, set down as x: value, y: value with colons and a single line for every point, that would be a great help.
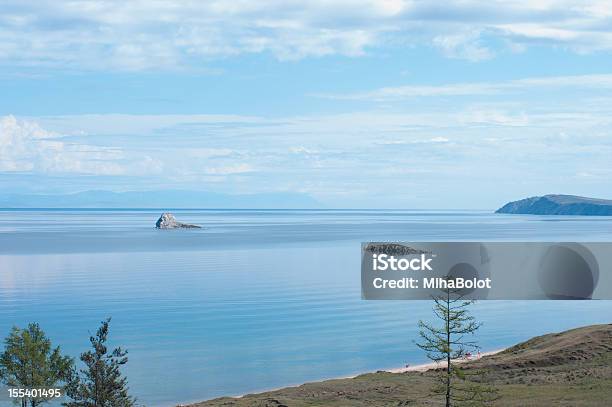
x: 572, y: 368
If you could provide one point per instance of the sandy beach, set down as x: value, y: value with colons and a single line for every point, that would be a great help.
x: 411, y: 368
x: 428, y: 366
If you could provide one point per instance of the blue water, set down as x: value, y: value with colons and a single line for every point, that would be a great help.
x: 257, y: 299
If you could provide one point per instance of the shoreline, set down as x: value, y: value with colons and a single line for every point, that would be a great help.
x: 538, y: 371
x: 422, y: 367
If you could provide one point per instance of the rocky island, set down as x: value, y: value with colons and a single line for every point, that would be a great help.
x: 559, y: 205
x: 168, y: 221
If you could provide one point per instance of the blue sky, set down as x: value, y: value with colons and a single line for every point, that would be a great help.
x: 460, y: 104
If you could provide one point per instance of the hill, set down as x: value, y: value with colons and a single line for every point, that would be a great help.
x: 559, y: 205
x: 572, y: 368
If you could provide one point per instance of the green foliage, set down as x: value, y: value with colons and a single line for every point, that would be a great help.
x: 29, y: 362
x: 450, y: 341
x: 100, y: 384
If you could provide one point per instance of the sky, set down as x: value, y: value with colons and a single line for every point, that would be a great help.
x: 358, y: 104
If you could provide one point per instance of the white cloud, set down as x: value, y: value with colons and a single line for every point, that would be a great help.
x: 141, y: 34
x: 329, y: 156
x: 205, y: 153
x: 603, y: 81
x: 302, y: 150
x: 229, y: 170
x: 464, y: 46
x: 26, y: 147
x: 396, y: 142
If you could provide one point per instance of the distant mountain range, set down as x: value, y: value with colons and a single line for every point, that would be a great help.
x: 559, y: 205
x: 159, y: 199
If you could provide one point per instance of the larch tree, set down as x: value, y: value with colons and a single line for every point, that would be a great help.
x: 100, y: 383
x: 450, y: 341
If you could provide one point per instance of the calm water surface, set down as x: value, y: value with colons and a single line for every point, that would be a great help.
x: 257, y: 299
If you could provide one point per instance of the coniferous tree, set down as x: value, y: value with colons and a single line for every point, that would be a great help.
x: 100, y: 383
x: 448, y: 343
x: 28, y: 362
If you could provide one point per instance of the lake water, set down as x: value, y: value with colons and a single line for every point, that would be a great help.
x: 257, y: 299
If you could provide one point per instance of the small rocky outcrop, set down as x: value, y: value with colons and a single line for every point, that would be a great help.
x: 168, y: 221
x: 395, y: 249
